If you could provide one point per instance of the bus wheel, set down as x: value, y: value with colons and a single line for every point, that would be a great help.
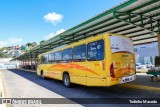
x: 42, y: 75
x: 66, y: 80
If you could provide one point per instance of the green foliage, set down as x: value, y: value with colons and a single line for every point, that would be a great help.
x: 29, y: 44
x: 42, y: 41
x: 34, y: 44
x: 1, y: 49
x: 4, y: 55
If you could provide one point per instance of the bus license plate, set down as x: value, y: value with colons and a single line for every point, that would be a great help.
x: 128, y: 78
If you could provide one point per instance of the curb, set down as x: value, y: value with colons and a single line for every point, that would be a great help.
x: 141, y: 87
x: 1, y: 90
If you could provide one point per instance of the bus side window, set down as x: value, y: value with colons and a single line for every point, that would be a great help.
x: 79, y: 53
x: 58, y: 56
x: 45, y: 59
x: 67, y: 55
x: 95, y: 50
x: 51, y: 58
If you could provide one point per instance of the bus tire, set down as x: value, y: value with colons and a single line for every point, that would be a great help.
x: 42, y: 75
x: 66, y: 80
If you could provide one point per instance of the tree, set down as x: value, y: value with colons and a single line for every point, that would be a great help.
x: 1, y: 49
x: 42, y: 41
x: 1, y: 55
x: 34, y: 44
x: 29, y: 44
x: 4, y: 55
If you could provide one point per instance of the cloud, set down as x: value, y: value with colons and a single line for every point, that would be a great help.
x: 10, y: 42
x: 50, y: 35
x: 2, y: 44
x: 14, y: 40
x: 53, y: 18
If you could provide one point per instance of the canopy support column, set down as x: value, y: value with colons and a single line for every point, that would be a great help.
x: 35, y: 62
x: 25, y: 62
x: 31, y: 59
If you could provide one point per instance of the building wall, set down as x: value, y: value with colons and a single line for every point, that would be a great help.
x: 146, y: 52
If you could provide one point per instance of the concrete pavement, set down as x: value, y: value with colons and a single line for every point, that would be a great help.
x: 143, y: 82
x: 17, y: 86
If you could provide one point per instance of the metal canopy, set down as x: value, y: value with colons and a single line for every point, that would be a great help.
x: 137, y: 19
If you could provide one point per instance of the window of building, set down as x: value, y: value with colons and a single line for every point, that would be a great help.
x: 95, y: 50
x: 67, y: 54
x: 79, y: 53
x: 58, y: 56
x: 143, y: 47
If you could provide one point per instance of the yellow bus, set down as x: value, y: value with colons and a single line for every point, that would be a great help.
x: 104, y: 60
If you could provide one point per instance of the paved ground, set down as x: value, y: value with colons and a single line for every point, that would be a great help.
x: 18, y: 86
x: 22, y: 84
x: 145, y: 80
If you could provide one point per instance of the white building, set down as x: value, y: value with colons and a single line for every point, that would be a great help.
x: 146, y: 53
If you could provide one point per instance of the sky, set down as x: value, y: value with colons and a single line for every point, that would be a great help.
x: 23, y: 21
